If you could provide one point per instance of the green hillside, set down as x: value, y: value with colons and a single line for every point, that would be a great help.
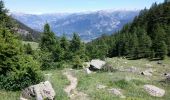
x: 148, y: 36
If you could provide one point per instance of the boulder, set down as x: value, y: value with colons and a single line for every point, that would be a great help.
x: 116, y: 92
x: 88, y: 71
x: 40, y: 91
x: 96, y: 64
x: 154, y: 91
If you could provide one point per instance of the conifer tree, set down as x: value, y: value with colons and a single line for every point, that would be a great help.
x: 133, y: 46
x: 48, y: 39
x: 75, y: 44
x: 64, y: 43
x: 145, y: 44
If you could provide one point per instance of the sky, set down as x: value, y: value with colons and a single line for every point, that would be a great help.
x: 72, y: 6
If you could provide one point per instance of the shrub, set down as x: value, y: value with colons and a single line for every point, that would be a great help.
x: 25, y: 72
x: 77, y: 62
x: 108, y: 67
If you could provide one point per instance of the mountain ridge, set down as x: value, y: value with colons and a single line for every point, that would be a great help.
x: 89, y: 25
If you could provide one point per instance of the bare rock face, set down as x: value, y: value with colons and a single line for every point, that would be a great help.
x: 116, y: 92
x: 154, y: 91
x: 40, y: 91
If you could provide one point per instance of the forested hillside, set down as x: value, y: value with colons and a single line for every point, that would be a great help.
x: 148, y: 36
x: 26, y: 33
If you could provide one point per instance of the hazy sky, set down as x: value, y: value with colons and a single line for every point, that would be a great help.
x: 55, y: 6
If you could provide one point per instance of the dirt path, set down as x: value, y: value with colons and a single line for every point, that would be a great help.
x: 71, y: 88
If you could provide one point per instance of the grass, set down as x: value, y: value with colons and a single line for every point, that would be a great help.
x: 34, y: 45
x: 131, y: 84
x: 58, y: 80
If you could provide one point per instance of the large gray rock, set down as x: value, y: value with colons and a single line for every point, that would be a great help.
x: 40, y: 91
x: 97, y: 64
x: 154, y: 91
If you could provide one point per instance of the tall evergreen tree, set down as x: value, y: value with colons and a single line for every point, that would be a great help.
x: 75, y: 44
x: 48, y: 39
x: 64, y: 43
x: 145, y: 44
x: 134, y: 46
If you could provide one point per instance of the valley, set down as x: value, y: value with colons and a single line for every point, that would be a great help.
x: 96, y: 55
x: 89, y: 25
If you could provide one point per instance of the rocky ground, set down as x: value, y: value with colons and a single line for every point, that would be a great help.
x: 130, y: 80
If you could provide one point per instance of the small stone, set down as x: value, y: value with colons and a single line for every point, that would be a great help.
x: 147, y: 72
x: 99, y: 86
x: 167, y: 75
x: 116, y: 92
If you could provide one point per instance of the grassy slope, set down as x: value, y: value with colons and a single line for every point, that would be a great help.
x: 130, y: 83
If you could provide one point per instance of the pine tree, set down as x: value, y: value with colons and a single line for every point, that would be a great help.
x: 160, y: 49
x: 134, y: 46
x: 75, y: 44
x: 48, y: 39
x: 15, y: 66
x: 64, y: 43
x: 145, y: 44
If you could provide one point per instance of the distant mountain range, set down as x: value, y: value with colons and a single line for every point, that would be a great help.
x: 88, y: 25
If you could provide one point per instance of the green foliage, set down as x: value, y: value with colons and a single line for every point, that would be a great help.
x: 122, y: 83
x: 28, y: 49
x: 108, y: 67
x: 45, y: 58
x: 48, y: 39
x: 75, y: 44
x: 77, y: 62
x: 17, y: 70
x: 24, y: 72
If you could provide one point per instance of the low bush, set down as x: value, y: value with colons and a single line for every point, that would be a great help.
x: 24, y: 72
x: 108, y: 67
